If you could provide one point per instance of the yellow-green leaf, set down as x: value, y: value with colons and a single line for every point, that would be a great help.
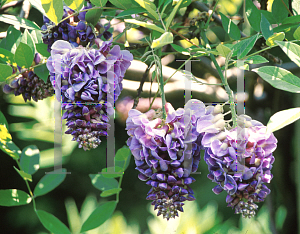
x: 223, y: 50
x: 275, y: 37
x: 149, y: 6
x: 282, y: 119
x: 296, y: 34
x: 165, y: 39
x: 144, y: 24
x: 54, y: 9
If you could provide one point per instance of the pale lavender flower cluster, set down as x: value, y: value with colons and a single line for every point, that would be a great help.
x: 240, y: 162
x: 87, y: 79
x: 167, y: 151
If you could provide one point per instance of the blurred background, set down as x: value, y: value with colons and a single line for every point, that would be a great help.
x: 72, y: 202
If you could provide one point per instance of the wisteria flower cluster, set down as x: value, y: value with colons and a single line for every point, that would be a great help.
x: 240, y: 161
x: 166, y: 152
x: 29, y: 85
x: 73, y: 29
x: 90, y: 81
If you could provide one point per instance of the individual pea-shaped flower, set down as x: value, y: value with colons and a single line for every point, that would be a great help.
x: 90, y: 81
x: 240, y: 161
x: 29, y: 85
x: 166, y: 152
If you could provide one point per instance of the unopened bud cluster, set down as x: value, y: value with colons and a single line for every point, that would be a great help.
x: 30, y: 86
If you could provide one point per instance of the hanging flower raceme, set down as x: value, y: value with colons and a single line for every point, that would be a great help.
x: 166, y: 152
x: 90, y: 81
x: 240, y: 161
x: 29, y: 85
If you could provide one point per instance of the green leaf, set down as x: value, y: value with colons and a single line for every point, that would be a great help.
x: 99, y: 3
x: 18, y: 21
x: 279, y: 10
x: 99, y: 216
x: 76, y: 4
x: 12, y: 39
x: 172, y: 15
x: 42, y: 49
x: 180, y: 49
x: 110, y: 192
x: 149, y: 6
x: 103, y: 183
x: 247, y: 45
x: 279, y: 78
x: 266, y: 27
x: 223, y: 50
x: 280, y: 216
x: 6, y: 57
x: 36, y: 36
x: 6, y: 71
x: 27, y: 39
x: 282, y: 119
x: 54, y: 9
x: 51, y: 223
x: 30, y: 159
x: 42, y: 72
x: 3, y: 120
x: 24, y: 55
x: 291, y: 49
x: 130, y: 12
x: 48, y: 183
x: 93, y: 16
x: 23, y: 174
x: 38, y: 5
x: 253, y: 15
x: 144, y: 24
x: 110, y: 173
x: 124, y: 4
x: 292, y: 19
x: 230, y: 27
x: 123, y: 154
x: 275, y: 37
x: 269, y: 16
x: 296, y: 34
x: 6, y: 144
x: 164, y: 39
x: 256, y: 59
x: 285, y: 28
x: 14, y: 197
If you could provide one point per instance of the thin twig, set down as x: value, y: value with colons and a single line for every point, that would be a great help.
x: 140, y: 89
x: 287, y: 7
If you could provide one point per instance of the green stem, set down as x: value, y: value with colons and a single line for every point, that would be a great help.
x: 28, y: 187
x: 210, y: 16
x: 156, y: 94
x: 161, y: 84
x: 118, y: 194
x: 223, y: 79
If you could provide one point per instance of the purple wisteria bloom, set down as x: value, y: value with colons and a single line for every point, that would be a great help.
x: 87, y: 79
x: 166, y: 152
x: 240, y: 162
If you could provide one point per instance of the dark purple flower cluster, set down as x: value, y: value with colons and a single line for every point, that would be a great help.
x: 166, y: 152
x: 90, y: 81
x: 74, y: 29
x: 240, y: 161
x: 30, y: 85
